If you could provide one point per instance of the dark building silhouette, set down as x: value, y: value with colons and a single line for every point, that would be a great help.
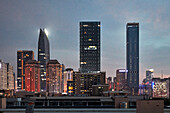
x: 43, y: 55
x: 22, y: 57
x: 89, y: 47
x: 132, y: 56
x: 121, y: 80
x: 82, y: 82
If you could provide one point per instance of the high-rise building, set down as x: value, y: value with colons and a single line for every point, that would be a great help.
x: 82, y: 82
x: 149, y: 76
x: 22, y: 57
x: 89, y: 47
x: 3, y: 75
x: 43, y: 55
x: 160, y: 87
x: 32, y: 76
x: 132, y: 57
x: 68, y: 81
x: 63, y: 82
x: 10, y: 76
x: 6, y: 76
x: 109, y: 82
x: 54, y: 77
x: 114, y: 83
x: 121, y: 81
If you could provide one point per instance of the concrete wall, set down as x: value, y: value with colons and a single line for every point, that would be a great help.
x: 89, y: 110
x: 150, y: 106
x: 2, y: 103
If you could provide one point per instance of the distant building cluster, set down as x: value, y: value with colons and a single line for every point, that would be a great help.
x: 49, y: 77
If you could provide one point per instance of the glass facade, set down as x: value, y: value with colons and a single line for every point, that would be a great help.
x: 89, y: 47
x: 22, y: 57
x: 43, y: 55
x: 132, y: 56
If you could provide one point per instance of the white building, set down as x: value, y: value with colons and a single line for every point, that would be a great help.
x: 6, y: 76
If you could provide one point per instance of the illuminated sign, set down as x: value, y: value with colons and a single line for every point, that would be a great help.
x: 0, y: 65
x: 123, y: 71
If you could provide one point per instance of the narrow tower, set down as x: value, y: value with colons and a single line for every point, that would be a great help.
x: 132, y: 56
x: 43, y: 55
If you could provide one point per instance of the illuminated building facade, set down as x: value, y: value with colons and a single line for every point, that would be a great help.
x: 132, y: 57
x: 97, y: 90
x: 121, y: 81
x: 54, y: 77
x: 109, y: 82
x: 32, y: 76
x: 82, y: 82
x: 63, y: 79
x: 68, y: 84
x: 89, y: 47
x: 22, y: 57
x: 146, y: 87
x: 10, y: 76
x: 6, y: 76
x: 43, y: 55
x: 3, y: 75
x: 160, y: 88
x: 114, y: 84
x: 149, y: 76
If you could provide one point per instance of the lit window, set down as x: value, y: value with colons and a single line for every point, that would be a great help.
x: 90, y: 39
x: 92, y: 48
x: 27, y: 55
x: 85, y: 25
x: 82, y: 62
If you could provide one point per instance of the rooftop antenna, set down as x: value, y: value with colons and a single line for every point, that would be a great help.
x: 162, y: 76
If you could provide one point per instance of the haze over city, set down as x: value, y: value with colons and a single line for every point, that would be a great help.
x: 21, y: 21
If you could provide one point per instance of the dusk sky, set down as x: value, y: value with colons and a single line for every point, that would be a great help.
x: 20, y: 21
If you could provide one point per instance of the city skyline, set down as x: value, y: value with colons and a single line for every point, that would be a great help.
x: 64, y: 34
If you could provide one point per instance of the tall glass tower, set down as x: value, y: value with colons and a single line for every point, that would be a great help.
x: 89, y: 47
x: 22, y: 57
x: 43, y: 55
x: 132, y: 57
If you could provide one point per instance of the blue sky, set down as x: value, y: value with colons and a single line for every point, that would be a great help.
x: 20, y: 21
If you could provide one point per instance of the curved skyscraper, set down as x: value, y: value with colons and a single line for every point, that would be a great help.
x: 43, y: 55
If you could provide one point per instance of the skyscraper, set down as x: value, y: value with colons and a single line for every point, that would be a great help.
x: 132, y: 56
x: 32, y: 76
x: 10, y: 76
x: 43, y: 55
x: 121, y: 81
x: 89, y: 47
x: 109, y: 82
x: 68, y: 81
x: 54, y: 77
x: 149, y: 76
x: 22, y: 57
x: 6, y: 76
x: 3, y: 75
